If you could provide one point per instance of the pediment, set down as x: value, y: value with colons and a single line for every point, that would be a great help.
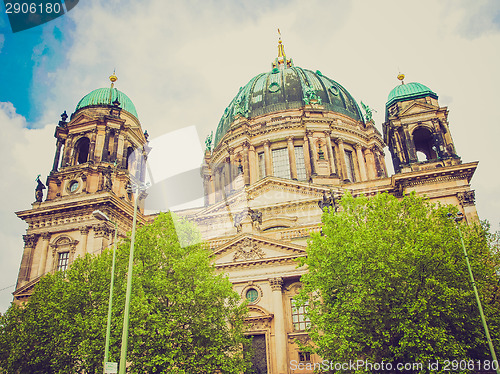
x: 417, y: 107
x: 247, y: 249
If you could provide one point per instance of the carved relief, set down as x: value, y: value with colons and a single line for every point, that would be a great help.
x: 467, y: 198
x: 248, y: 251
x: 101, y: 230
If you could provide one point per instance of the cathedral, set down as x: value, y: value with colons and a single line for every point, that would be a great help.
x: 290, y: 143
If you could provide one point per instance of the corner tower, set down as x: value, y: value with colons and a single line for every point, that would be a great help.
x: 416, y: 129
x: 94, y: 163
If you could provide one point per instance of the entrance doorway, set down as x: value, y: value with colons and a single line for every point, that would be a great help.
x: 259, y: 358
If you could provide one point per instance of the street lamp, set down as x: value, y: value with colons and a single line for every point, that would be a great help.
x: 103, y: 217
x: 135, y: 190
x: 457, y: 219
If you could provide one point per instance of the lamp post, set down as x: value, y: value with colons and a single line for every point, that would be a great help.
x: 103, y: 217
x: 457, y: 219
x: 136, y: 190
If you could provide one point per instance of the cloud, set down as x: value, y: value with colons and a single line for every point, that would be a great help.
x: 25, y: 154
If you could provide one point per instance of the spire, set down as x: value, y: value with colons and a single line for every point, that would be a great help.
x: 113, y: 78
x: 281, y: 61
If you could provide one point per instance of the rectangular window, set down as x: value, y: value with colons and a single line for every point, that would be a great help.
x: 299, y: 317
x: 349, y: 163
x: 281, y: 163
x: 262, y: 165
x: 300, y: 163
x: 62, y: 264
x: 304, y: 356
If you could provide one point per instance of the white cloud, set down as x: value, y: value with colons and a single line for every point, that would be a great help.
x: 181, y: 63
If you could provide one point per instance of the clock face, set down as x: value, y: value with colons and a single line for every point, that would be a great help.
x: 73, y: 186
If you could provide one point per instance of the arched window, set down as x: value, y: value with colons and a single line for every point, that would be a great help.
x: 130, y: 157
x: 424, y: 142
x: 82, y: 150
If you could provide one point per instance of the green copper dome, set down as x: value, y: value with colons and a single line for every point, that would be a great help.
x: 408, y: 91
x: 106, y: 96
x: 287, y: 88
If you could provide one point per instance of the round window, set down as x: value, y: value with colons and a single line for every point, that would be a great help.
x: 252, y: 295
x: 73, y: 186
x: 274, y: 87
x: 334, y: 90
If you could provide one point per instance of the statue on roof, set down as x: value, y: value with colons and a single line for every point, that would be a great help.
x: 368, y: 112
x: 208, y: 142
x: 39, y: 190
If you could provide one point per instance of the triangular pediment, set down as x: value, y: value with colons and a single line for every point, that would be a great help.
x: 417, y: 107
x: 248, y: 249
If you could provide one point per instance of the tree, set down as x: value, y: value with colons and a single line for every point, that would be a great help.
x: 387, y: 282
x: 184, y: 317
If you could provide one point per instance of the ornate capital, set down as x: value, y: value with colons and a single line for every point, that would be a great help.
x: 246, y: 144
x: 267, y: 142
x: 357, y: 146
x: 467, y: 198
x: 46, y: 235
x: 30, y: 240
x: 290, y: 139
x: 276, y: 283
x: 339, y: 141
x: 327, y: 132
x: 309, y: 133
x: 84, y: 230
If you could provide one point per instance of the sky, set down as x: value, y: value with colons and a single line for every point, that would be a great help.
x: 182, y: 62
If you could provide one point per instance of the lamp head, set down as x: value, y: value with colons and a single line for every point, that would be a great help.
x: 101, y: 216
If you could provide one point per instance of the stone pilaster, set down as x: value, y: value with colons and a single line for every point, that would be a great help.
x: 291, y: 158
x: 25, y: 269
x: 279, y: 325
x: 267, y: 158
x: 43, y: 254
x: 312, y: 153
x: 361, y: 161
x: 331, y: 157
x: 340, y: 146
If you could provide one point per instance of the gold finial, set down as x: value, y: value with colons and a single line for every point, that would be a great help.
x: 281, y: 47
x: 113, y: 78
x: 401, y: 76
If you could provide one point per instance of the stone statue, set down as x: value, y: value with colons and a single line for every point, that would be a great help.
x: 368, y: 112
x: 108, y: 184
x: 327, y: 201
x: 208, y: 142
x: 39, y: 190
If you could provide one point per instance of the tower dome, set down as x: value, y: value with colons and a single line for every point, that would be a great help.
x: 409, y: 91
x: 105, y: 97
x: 288, y: 87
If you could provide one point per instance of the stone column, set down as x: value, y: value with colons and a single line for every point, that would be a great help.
x: 115, y: 147
x: 254, y: 165
x: 331, y: 157
x: 291, y: 158
x: 126, y: 145
x: 267, y: 158
x: 279, y: 325
x: 410, y: 147
x: 230, y: 169
x: 82, y: 249
x: 93, y: 139
x: 312, y: 153
x: 119, y: 150
x: 246, y: 163
x: 68, y: 147
x: 370, y: 161
x: 361, y: 161
x: 307, y: 159
x: 44, y: 253
x: 340, y: 144
x: 106, y: 146
x: 25, y: 269
x: 58, y: 154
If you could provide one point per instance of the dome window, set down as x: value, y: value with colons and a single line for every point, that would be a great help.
x: 275, y: 71
x: 274, y: 87
x: 334, y: 90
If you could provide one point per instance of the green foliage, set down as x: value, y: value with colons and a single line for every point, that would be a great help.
x: 387, y: 281
x: 184, y: 317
